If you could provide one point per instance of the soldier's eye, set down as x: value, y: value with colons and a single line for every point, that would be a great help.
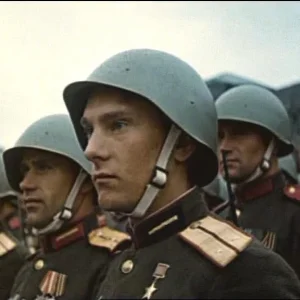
x: 119, y: 124
x: 221, y: 135
x: 42, y: 166
x: 24, y: 169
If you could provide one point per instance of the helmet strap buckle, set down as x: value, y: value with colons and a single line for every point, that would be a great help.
x: 159, y: 177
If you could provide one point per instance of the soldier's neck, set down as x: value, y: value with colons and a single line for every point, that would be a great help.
x: 84, y: 208
x: 177, y: 185
x: 271, y: 172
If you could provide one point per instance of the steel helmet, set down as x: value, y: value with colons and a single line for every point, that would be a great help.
x: 259, y: 106
x: 53, y: 133
x: 5, y: 188
x: 169, y: 83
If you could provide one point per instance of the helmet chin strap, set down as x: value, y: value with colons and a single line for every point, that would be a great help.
x: 66, y: 213
x: 263, y: 167
x: 159, y: 176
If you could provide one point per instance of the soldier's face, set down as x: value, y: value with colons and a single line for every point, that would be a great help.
x: 47, y: 181
x: 245, y: 146
x: 125, y: 137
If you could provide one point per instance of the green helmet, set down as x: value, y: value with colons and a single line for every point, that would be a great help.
x: 288, y: 166
x: 259, y: 106
x: 5, y: 188
x: 53, y: 133
x: 172, y: 86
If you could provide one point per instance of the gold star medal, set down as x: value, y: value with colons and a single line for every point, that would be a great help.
x: 159, y: 273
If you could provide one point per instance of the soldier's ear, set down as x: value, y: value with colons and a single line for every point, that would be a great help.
x: 185, y: 147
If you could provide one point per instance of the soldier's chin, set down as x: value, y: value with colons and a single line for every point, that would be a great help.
x: 115, y: 202
x: 233, y: 176
x: 36, y: 221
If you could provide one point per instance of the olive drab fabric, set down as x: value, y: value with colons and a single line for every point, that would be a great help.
x: 52, y: 133
x: 259, y: 106
x: 183, y: 96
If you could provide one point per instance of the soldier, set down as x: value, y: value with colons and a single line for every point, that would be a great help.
x: 254, y: 131
x: 148, y: 123
x: 12, y: 247
x: 48, y: 167
x: 289, y: 168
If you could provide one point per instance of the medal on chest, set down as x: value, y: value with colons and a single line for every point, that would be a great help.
x: 159, y: 273
x: 52, y: 286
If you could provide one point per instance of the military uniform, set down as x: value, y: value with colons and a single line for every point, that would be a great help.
x: 13, y: 251
x: 69, y: 262
x: 184, y: 252
x: 12, y: 255
x: 179, y: 251
x: 270, y: 210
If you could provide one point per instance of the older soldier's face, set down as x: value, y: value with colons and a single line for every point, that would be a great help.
x: 47, y: 181
x: 125, y: 137
x: 246, y: 148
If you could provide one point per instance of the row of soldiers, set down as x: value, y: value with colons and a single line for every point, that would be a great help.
x: 149, y: 189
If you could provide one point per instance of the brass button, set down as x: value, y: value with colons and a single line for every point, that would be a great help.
x: 292, y: 190
x: 127, y: 266
x: 39, y: 264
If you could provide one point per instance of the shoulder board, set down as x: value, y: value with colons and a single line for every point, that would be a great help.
x: 219, y: 241
x: 6, y: 243
x: 292, y: 192
x: 108, y: 238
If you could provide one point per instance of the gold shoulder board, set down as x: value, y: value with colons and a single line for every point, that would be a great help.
x: 108, y: 238
x: 6, y: 243
x: 219, y: 241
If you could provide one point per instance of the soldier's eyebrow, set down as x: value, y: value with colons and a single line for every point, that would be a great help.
x: 108, y: 116
x: 37, y: 160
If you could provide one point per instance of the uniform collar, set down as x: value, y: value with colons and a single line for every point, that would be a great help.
x: 71, y: 233
x: 260, y: 187
x: 170, y: 220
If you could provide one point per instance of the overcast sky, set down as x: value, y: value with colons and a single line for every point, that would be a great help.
x: 46, y: 45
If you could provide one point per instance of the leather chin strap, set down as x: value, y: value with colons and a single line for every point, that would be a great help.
x: 66, y: 213
x: 160, y: 175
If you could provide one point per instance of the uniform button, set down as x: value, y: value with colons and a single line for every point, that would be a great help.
x: 39, y: 264
x: 127, y: 266
x: 292, y: 190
